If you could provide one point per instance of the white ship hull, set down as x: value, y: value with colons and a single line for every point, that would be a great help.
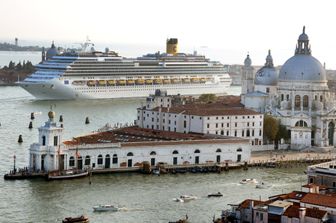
x: 56, y: 90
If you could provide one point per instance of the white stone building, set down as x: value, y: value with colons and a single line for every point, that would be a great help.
x: 213, y: 118
x: 299, y: 97
x: 129, y: 147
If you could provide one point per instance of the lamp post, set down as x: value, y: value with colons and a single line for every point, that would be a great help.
x: 14, y: 157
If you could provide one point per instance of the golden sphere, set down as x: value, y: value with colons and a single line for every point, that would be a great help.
x: 51, y: 114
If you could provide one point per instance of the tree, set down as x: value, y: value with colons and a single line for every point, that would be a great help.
x: 271, y: 127
x: 207, y: 98
x: 282, y: 133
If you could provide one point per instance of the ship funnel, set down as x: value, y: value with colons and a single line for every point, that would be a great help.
x: 172, y: 46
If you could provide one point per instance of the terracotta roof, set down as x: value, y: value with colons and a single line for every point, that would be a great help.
x: 320, y: 199
x: 297, y: 195
x: 246, y: 203
x: 294, y: 212
x: 133, y: 136
x: 315, y: 213
x: 311, y: 185
x: 211, y: 109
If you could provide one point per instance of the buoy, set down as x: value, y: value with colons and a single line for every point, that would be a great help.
x: 20, y: 140
x: 61, y: 118
x: 30, y: 125
x: 32, y: 116
x: 87, y: 121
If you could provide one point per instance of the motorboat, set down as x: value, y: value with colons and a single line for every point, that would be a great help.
x: 263, y: 185
x: 218, y: 194
x: 69, y: 174
x: 79, y: 219
x: 106, y: 207
x: 156, y: 171
x: 248, y: 181
x: 185, y: 198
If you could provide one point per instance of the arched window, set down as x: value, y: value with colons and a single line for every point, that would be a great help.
x: 100, y: 159
x: 282, y: 97
x: 248, y: 133
x: 239, y: 150
x: 153, y: 153
x: 252, y: 132
x: 130, y: 154
x: 43, y: 140
x: 71, y: 161
x: 242, y: 133
x: 175, y: 152
x: 222, y: 132
x: 305, y: 101
x: 218, y: 150
x: 115, y: 159
x: 301, y: 123
x: 197, y: 151
x: 297, y: 102
x: 87, y: 160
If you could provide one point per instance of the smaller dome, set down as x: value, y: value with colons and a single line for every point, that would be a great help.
x: 51, y: 114
x: 247, y: 61
x: 52, y: 51
x: 266, y: 76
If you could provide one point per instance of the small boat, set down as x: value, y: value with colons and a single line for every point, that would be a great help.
x: 218, y: 194
x: 106, y: 207
x: 67, y: 175
x: 79, y: 219
x: 111, y: 82
x: 149, y: 81
x: 187, y: 197
x: 156, y: 171
x: 263, y: 185
x: 249, y: 181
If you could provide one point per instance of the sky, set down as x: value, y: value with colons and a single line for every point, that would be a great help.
x: 224, y: 30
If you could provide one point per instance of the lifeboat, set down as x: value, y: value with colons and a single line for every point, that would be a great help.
x: 176, y: 81
x: 78, y: 83
x: 130, y: 82
x: 202, y: 80
x: 149, y: 81
x: 102, y: 82
x: 157, y: 81
x: 111, y: 82
x: 121, y: 82
x: 186, y: 80
x: 91, y: 83
x: 195, y: 80
x: 166, y: 81
x: 139, y: 81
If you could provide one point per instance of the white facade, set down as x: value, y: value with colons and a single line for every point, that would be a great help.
x: 234, y: 122
x: 50, y: 155
x: 299, y: 97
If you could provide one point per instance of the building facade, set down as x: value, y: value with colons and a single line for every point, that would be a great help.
x: 298, y: 96
x: 130, y: 147
x: 214, y: 118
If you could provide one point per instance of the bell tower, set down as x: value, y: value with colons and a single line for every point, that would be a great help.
x: 247, y: 76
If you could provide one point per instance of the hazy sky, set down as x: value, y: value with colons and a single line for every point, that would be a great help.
x: 223, y: 29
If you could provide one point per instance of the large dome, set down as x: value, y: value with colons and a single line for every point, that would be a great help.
x: 302, y: 67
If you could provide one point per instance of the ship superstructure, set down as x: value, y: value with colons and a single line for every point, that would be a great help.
x: 90, y: 75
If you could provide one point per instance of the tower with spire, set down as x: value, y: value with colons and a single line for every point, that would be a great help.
x: 46, y: 155
x: 247, y: 76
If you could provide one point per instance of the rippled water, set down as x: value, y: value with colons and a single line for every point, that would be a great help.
x: 146, y: 198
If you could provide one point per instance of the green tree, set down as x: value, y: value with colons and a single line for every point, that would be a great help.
x: 207, y: 98
x: 271, y: 127
x: 282, y: 133
x: 11, y: 65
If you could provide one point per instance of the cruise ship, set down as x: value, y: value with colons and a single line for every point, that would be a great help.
x: 97, y: 75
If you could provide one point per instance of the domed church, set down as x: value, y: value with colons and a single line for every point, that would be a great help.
x: 299, y: 97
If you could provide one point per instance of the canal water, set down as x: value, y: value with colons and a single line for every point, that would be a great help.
x: 145, y: 198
